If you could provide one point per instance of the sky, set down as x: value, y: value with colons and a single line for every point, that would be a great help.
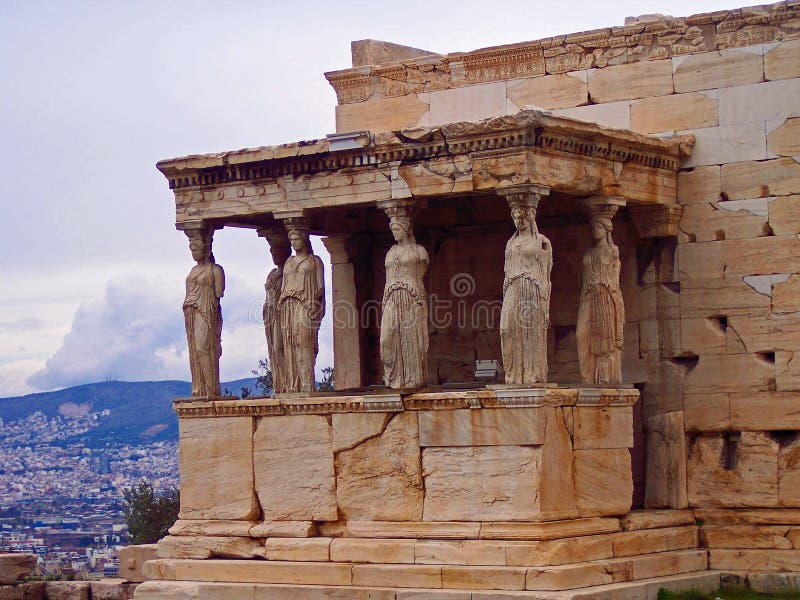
x: 93, y: 93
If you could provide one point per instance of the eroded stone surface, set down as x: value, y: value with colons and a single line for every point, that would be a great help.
x: 666, y: 462
x: 293, y: 458
x: 603, y: 481
x: 15, y: 566
x: 381, y: 478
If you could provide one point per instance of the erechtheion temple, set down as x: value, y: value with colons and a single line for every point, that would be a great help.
x: 566, y: 300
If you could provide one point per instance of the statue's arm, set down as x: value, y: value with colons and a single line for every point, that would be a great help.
x: 219, y: 281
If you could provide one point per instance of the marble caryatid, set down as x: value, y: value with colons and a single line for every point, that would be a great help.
x: 301, y: 306
x: 601, y: 315
x: 202, y: 313
x: 525, y: 315
x: 404, y: 319
x: 280, y: 250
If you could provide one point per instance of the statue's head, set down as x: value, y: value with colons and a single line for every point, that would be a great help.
x: 524, y: 217
x: 298, y: 239
x: 601, y: 228
x: 400, y: 227
x: 200, y: 244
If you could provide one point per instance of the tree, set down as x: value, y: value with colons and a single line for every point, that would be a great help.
x: 327, y: 384
x: 149, y: 514
x: 263, y: 378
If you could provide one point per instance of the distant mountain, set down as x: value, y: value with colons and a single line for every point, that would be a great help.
x: 139, y: 412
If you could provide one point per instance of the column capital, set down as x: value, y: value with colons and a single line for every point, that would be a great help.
x: 337, y: 246
x: 397, y: 207
x: 657, y: 220
x: 295, y: 219
x: 275, y: 236
x: 524, y: 194
x: 597, y: 207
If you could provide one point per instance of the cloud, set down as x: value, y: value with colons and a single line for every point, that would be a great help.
x: 136, y: 333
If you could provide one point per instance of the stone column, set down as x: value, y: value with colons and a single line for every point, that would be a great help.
x: 301, y: 306
x: 280, y: 250
x: 601, y: 314
x: 525, y: 316
x: 345, y: 315
x: 205, y: 286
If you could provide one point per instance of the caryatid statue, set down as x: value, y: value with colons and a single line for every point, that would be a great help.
x: 525, y: 316
x: 404, y: 318
x: 202, y: 313
x: 280, y: 250
x: 601, y: 315
x: 301, y: 306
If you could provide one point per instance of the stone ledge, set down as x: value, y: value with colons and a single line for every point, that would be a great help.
x: 497, y: 397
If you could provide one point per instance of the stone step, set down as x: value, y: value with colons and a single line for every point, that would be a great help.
x: 426, y: 551
x: 430, y: 576
x: 640, y: 590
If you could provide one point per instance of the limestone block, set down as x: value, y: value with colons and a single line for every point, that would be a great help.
x: 603, y: 481
x: 727, y: 144
x: 654, y: 519
x: 508, y: 488
x: 483, y: 578
x: 216, y: 467
x: 209, y: 527
x: 356, y: 550
x: 764, y: 330
x: 603, y: 427
x: 660, y: 565
x: 386, y: 114
x: 420, y: 576
x: 735, y: 219
x: 486, y: 427
x: 783, y: 61
x: 666, y: 462
x: 704, y: 412
x: 771, y: 516
x: 296, y: 549
x: 647, y: 541
x: 784, y: 215
x: 675, y: 112
x: 783, y: 140
x: 68, y: 590
x: 548, y: 92
x: 34, y: 590
x: 460, y: 552
x: 111, y: 589
x: 612, y: 114
x: 634, y: 80
x: 15, y: 566
x: 732, y: 297
x: 284, y: 529
x: 381, y: 478
x: 752, y: 482
x: 771, y: 254
x: 294, y: 475
x: 205, y: 547
x: 699, y: 185
x: 789, y: 474
x: 765, y: 411
x: 559, y: 552
x: 351, y: 429
x: 557, y: 481
x: 776, y: 177
x: 583, y: 575
x: 754, y: 560
x: 470, y: 103
x: 759, y: 102
x: 700, y: 261
x: 746, y: 536
x: 703, y: 335
x: 786, y: 299
x: 774, y: 583
x: 551, y: 530
x: 251, y: 571
x: 131, y: 559
x: 403, y: 530
x: 720, y: 69
x: 721, y: 373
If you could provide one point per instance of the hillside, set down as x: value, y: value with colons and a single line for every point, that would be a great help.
x: 138, y: 412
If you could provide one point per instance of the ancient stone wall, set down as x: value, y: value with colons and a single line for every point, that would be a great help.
x: 713, y: 318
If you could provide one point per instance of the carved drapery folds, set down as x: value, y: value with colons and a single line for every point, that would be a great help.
x: 301, y: 306
x: 280, y: 250
x: 601, y: 314
x: 525, y: 315
x: 404, y: 317
x: 202, y: 313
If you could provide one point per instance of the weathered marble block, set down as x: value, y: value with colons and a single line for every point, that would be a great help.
x: 293, y: 466
x: 216, y: 468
